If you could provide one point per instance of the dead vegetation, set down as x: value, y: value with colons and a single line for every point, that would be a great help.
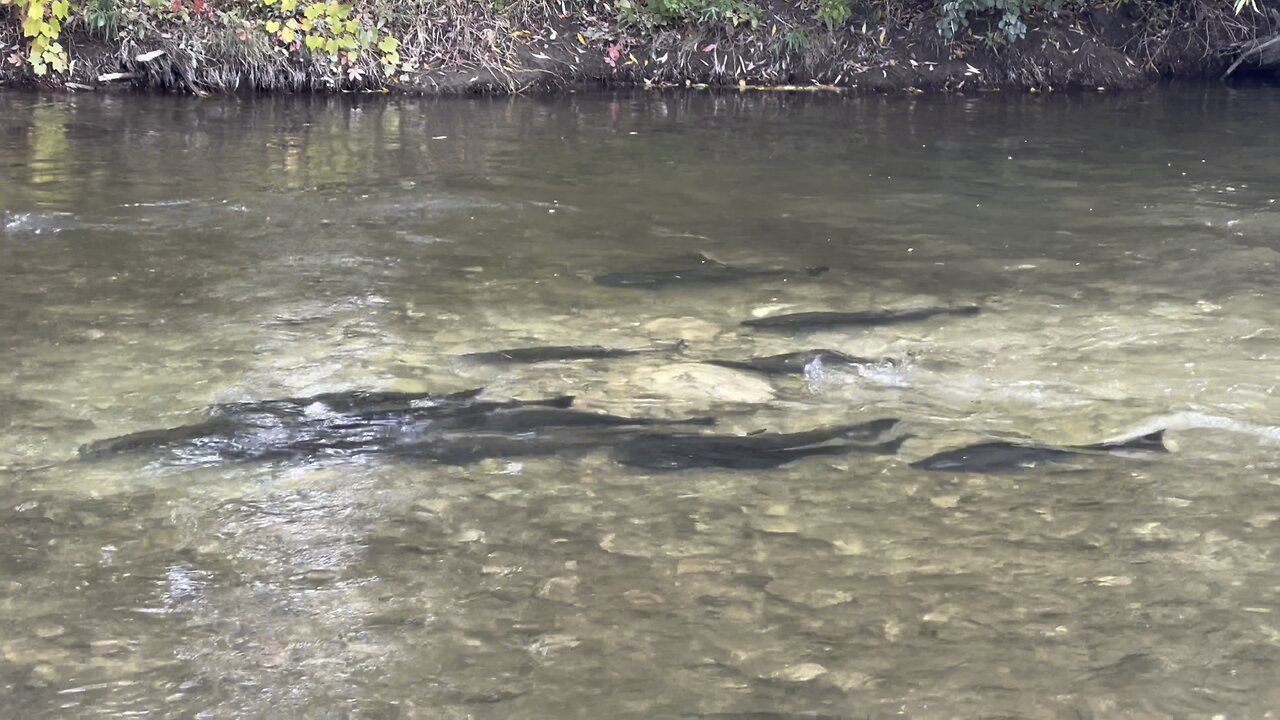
x: 458, y: 46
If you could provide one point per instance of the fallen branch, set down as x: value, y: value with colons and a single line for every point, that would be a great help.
x: 1255, y: 49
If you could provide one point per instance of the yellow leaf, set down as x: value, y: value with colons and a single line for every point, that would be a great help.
x: 273, y: 26
x: 305, y: 25
x: 581, y: 40
x: 331, y: 46
x: 288, y: 35
x: 631, y: 59
x: 288, y: 6
x: 774, y: 31
x: 352, y: 26
x: 314, y: 41
x: 352, y: 55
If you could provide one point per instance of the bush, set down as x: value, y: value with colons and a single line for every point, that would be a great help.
x: 955, y: 14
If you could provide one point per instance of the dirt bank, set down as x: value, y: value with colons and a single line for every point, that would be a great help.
x: 1091, y: 50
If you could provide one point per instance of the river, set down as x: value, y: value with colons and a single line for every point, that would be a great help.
x: 159, y: 255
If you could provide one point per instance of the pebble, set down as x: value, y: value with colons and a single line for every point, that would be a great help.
x: 688, y: 566
x: 945, y: 501
x: 563, y: 589
x: 47, y: 630
x: 850, y: 680
x: 695, y: 382
x: 804, y: 672
x: 686, y: 328
x: 549, y: 644
x: 849, y: 546
x: 804, y: 594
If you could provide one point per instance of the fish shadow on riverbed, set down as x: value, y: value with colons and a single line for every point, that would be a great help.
x: 799, y: 363
x: 824, y: 320
x: 1000, y: 457
x: 555, y: 353
x: 697, y: 270
x: 670, y: 451
x: 461, y: 429
x: 368, y: 423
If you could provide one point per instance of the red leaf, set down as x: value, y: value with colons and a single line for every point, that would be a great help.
x: 709, y: 48
x: 176, y: 6
x: 197, y: 6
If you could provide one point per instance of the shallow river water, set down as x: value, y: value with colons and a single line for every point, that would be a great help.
x: 160, y: 255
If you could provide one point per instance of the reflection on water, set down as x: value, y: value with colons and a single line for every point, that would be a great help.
x: 159, y: 255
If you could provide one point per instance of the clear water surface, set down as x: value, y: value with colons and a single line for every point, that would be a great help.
x: 158, y: 255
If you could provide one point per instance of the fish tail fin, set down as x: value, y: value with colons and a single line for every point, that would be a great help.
x: 891, y: 447
x: 470, y: 394
x: 870, y: 429
x: 1151, y: 442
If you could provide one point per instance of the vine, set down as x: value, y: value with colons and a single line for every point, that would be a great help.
x: 332, y: 29
x: 42, y: 23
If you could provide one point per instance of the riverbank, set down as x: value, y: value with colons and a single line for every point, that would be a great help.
x: 464, y: 47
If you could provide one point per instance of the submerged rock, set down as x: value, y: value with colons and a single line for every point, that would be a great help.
x: 700, y: 383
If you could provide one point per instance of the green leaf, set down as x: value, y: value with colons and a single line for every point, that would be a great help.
x: 314, y: 41
x: 388, y: 44
x: 331, y: 46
